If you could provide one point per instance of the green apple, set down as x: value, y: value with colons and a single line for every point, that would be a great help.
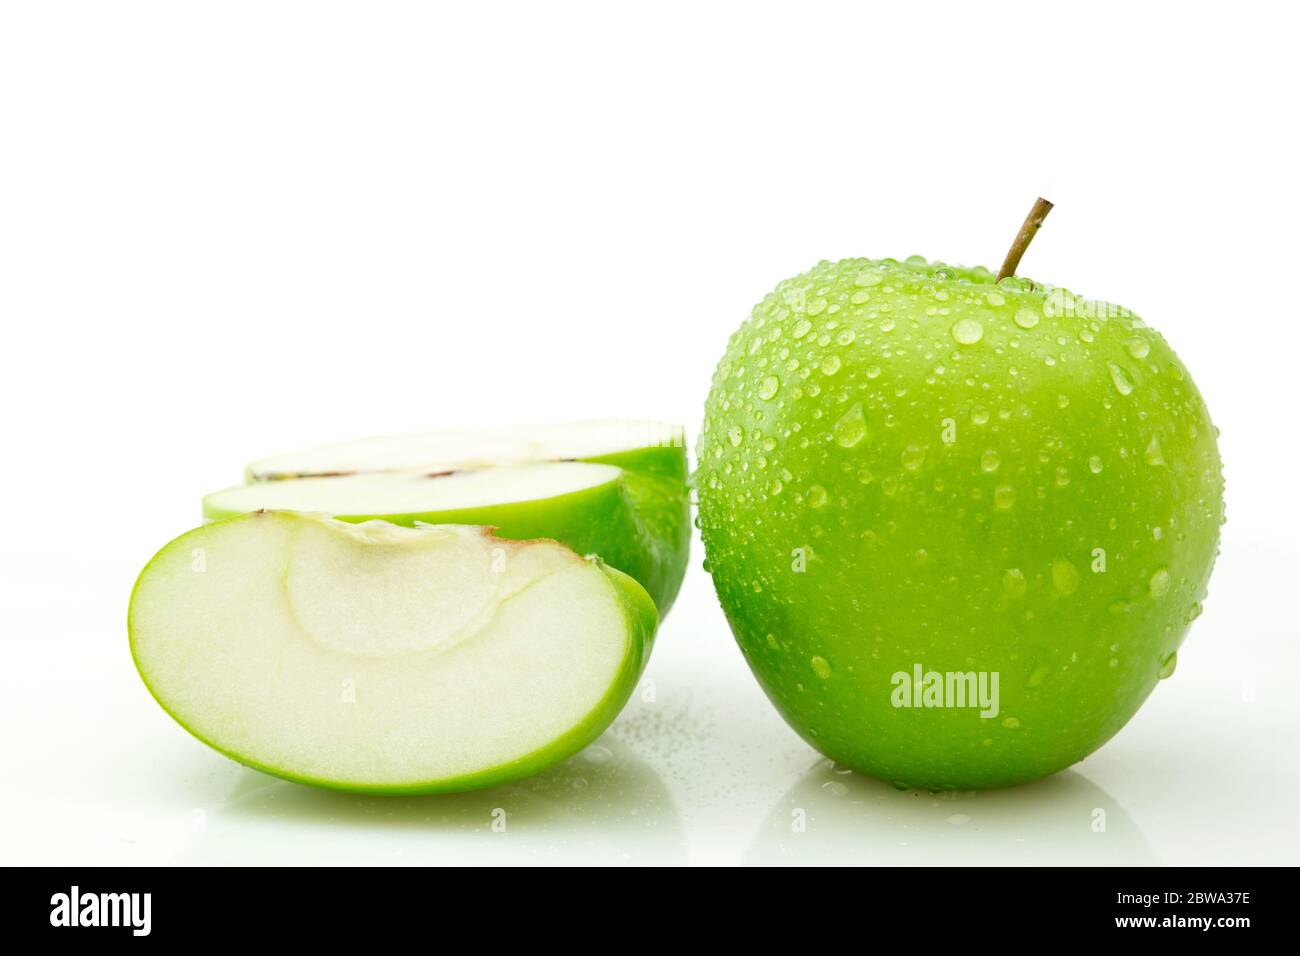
x: 373, y: 657
x: 909, y: 469
x: 615, y: 489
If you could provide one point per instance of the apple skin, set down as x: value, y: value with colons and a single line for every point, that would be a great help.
x: 908, y: 463
x: 639, y: 524
x: 638, y: 611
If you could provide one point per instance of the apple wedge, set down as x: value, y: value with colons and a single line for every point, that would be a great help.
x: 373, y: 657
x: 614, y: 489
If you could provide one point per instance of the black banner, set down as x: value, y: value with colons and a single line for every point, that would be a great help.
x: 354, y: 905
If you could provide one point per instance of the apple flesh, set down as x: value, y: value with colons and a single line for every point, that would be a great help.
x: 909, y: 464
x: 463, y: 448
x: 615, y: 489
x: 378, y: 658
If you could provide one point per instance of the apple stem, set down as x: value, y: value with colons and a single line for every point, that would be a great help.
x: 1035, y: 219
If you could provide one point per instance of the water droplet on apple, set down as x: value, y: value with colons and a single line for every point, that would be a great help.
x: 821, y: 667
x: 1026, y: 318
x: 735, y: 435
x: 868, y: 277
x: 1154, y: 454
x: 979, y: 414
x: 1139, y: 348
x: 912, y: 458
x: 1168, y: 666
x: 990, y: 461
x: 1065, y: 577
x: 1194, y: 611
x: 830, y: 364
x: 1094, y: 464
x: 771, y: 385
x: 1013, y: 582
x: 1159, y: 583
x: 1011, y: 723
x: 851, y: 428
x: 816, y: 496
x: 1123, y: 384
x: 1004, y: 497
x: 801, y: 328
x: 967, y: 331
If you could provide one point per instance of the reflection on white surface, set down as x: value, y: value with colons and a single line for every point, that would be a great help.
x: 833, y: 816
x: 605, y: 806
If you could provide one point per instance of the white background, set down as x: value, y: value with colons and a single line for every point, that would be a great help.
x: 230, y: 229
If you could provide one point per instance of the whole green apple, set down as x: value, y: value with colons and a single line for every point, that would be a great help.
x: 959, y: 526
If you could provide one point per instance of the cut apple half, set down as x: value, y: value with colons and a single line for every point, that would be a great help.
x: 363, y: 497
x: 456, y: 449
x: 613, y: 489
x: 373, y: 657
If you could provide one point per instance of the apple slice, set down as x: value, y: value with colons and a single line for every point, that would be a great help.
x: 455, y: 449
x: 615, y: 489
x: 379, y: 658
